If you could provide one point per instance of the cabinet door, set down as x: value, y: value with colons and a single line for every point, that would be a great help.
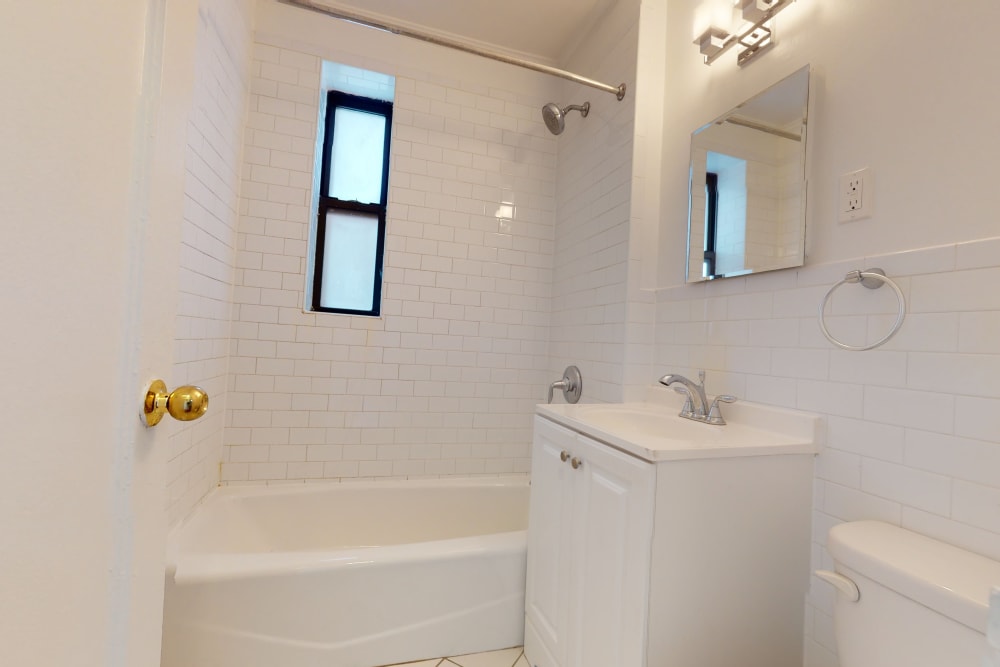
x: 612, y: 535
x: 549, y: 545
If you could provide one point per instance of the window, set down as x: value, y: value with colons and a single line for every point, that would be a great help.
x: 350, y: 226
x: 711, y: 221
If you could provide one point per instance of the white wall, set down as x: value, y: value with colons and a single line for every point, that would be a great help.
x: 445, y: 381
x: 208, y: 253
x: 911, y: 436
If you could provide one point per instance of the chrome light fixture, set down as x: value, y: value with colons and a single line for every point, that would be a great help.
x: 712, y: 42
x: 755, y: 37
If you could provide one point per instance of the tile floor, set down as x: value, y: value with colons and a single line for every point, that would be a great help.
x: 508, y: 657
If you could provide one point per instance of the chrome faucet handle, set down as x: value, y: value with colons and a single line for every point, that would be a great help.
x: 688, y: 408
x: 714, y: 413
x: 558, y: 384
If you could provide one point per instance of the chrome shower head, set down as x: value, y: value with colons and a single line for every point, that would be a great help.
x: 555, y: 118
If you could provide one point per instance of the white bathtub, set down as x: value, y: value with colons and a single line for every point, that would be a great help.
x: 347, y: 575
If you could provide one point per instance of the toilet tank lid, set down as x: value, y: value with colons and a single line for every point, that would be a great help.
x: 952, y: 581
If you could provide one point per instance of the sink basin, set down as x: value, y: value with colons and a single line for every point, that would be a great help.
x: 652, y: 430
x: 640, y: 420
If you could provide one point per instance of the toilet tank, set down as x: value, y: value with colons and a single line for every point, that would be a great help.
x: 923, y: 603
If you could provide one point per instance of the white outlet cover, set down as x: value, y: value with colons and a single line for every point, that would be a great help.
x: 856, y: 195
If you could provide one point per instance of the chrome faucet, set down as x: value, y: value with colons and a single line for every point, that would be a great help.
x: 696, y: 406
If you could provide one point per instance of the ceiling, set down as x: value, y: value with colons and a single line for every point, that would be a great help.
x: 544, y: 30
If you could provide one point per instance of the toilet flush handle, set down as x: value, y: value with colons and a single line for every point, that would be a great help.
x: 841, y: 583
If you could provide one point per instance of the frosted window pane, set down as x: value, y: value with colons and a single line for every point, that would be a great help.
x: 357, y: 157
x: 349, y: 248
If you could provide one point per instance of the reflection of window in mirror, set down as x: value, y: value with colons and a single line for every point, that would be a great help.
x: 726, y: 214
x: 711, y: 221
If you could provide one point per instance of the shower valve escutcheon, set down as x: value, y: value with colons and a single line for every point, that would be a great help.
x: 571, y: 385
x: 183, y: 404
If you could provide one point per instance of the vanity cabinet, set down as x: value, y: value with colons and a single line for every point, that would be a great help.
x: 667, y: 563
x: 589, y: 532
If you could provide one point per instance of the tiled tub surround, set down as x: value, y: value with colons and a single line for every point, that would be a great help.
x: 445, y: 381
x: 912, y: 426
x: 208, y: 245
x: 595, y: 191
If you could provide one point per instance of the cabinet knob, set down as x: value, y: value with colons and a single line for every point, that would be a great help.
x: 564, y: 456
x: 576, y: 463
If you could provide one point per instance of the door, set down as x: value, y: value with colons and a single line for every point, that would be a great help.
x: 612, y: 537
x: 549, y: 545
x: 90, y: 210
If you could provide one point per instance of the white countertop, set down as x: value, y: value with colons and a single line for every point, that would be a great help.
x: 651, y: 429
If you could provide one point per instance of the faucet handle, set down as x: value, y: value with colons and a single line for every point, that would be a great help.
x: 714, y: 413
x: 701, y: 378
x: 688, y: 408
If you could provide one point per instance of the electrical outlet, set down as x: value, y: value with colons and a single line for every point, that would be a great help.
x: 857, y: 195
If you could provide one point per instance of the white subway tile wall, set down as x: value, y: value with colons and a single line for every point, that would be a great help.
x: 912, y: 426
x: 445, y: 381
x: 211, y: 187
x: 590, y: 314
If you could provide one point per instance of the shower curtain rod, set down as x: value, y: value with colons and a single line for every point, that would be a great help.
x: 619, y: 90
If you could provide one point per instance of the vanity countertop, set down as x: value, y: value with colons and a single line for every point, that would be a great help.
x: 652, y: 429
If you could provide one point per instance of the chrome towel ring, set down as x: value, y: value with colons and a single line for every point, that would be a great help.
x: 872, y: 279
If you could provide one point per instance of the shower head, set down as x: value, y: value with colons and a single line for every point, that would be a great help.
x: 555, y: 118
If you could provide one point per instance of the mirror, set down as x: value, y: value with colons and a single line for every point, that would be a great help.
x: 746, y: 211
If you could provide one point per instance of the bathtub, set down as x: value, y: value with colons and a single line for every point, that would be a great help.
x: 347, y: 575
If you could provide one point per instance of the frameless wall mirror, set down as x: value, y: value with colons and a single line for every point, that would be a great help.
x: 748, y: 185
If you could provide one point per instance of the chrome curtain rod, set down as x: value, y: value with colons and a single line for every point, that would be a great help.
x: 619, y: 90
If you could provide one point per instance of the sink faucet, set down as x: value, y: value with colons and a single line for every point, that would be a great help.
x: 696, y: 407
x: 695, y: 394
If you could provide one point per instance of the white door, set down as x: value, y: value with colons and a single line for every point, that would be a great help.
x: 612, y: 535
x: 92, y: 128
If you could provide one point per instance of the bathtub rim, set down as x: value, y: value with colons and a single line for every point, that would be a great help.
x: 182, y: 568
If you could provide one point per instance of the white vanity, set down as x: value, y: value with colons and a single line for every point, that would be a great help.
x: 662, y: 542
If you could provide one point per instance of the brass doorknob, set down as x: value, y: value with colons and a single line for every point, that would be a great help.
x: 184, y: 403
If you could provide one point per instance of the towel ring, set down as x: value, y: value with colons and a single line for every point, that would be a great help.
x: 872, y: 279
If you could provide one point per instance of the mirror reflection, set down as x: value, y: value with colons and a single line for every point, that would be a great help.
x: 747, y: 195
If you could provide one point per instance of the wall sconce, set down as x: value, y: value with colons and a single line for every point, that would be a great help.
x: 756, y: 36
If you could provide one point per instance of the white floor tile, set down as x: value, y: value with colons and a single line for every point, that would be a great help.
x: 522, y: 662
x: 503, y: 658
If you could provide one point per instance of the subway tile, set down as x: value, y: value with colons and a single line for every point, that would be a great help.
x: 978, y: 254
x: 976, y: 505
x: 979, y: 332
x: 834, y: 465
x: 977, y: 418
x: 962, y: 374
x: 961, y: 458
x: 955, y: 291
x: 910, y: 487
x: 874, y: 367
x: 833, y: 398
x: 936, y: 259
x: 919, y: 332
x: 873, y: 440
x: 850, y: 504
x: 931, y: 411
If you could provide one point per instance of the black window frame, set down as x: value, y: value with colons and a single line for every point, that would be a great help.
x: 711, y: 221
x: 337, y: 99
